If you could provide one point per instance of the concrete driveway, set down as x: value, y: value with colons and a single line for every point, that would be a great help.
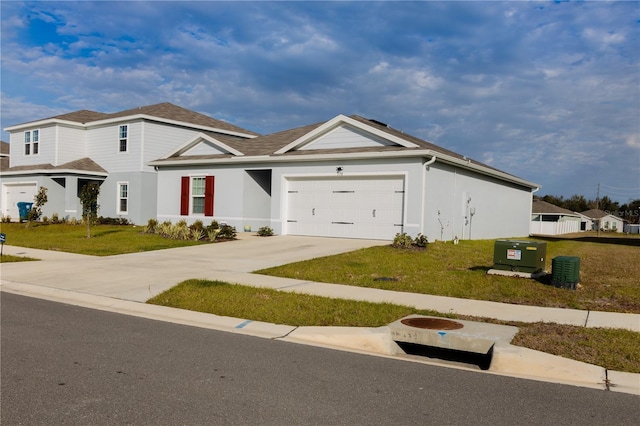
x: 139, y: 276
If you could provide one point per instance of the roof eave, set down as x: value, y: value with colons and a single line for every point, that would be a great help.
x: 50, y: 172
x: 350, y: 156
x: 168, y: 121
x: 46, y: 122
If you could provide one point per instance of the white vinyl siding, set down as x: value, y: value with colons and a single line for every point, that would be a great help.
x: 346, y: 137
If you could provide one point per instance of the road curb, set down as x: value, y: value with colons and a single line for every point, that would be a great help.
x: 508, y: 360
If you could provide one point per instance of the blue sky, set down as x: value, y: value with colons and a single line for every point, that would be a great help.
x: 548, y: 91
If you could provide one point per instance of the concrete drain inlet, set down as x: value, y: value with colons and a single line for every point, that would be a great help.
x: 468, y: 342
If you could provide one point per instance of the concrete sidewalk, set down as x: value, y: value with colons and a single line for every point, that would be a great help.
x: 120, y: 283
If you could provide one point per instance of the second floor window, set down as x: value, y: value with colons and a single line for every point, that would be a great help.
x: 122, y: 138
x: 31, y: 142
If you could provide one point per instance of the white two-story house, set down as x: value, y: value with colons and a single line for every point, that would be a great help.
x: 65, y: 152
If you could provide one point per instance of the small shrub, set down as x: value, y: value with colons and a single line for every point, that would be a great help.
x: 197, y: 234
x: 112, y: 221
x: 6, y: 219
x: 152, y: 224
x: 421, y: 241
x: 214, y: 225
x: 54, y: 218
x: 197, y: 226
x: 402, y: 240
x: 45, y: 220
x: 227, y: 233
x: 73, y: 221
x: 212, y: 234
x: 265, y: 231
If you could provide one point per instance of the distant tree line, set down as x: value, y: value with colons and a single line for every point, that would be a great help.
x: 578, y: 203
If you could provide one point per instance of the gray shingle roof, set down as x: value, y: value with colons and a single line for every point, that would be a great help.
x: 163, y: 110
x: 4, y: 148
x: 80, y: 165
x: 269, y: 144
x: 170, y: 111
x: 540, y: 206
x: 595, y: 213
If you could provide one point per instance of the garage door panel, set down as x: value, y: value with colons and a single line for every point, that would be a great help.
x: 363, y: 207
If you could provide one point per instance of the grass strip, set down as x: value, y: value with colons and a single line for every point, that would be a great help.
x: 7, y: 258
x: 609, y: 348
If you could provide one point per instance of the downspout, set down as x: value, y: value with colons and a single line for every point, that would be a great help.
x: 531, y: 211
x: 424, y: 190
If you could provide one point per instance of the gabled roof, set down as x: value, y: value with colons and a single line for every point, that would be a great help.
x: 298, y: 143
x: 543, y: 207
x: 215, y: 142
x: 597, y: 214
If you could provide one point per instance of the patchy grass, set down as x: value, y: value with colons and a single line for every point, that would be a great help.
x: 610, y: 273
x: 259, y: 304
x: 106, y: 240
x: 7, y: 258
x: 613, y: 349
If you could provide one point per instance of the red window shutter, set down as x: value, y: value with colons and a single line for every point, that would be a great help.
x: 184, y: 196
x: 209, y: 183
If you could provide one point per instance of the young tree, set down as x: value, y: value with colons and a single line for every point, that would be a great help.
x: 38, y: 201
x: 89, y: 200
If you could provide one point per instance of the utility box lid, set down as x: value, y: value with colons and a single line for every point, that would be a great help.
x: 519, y: 256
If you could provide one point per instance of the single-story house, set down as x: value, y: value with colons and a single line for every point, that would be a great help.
x: 549, y: 219
x: 604, y: 221
x: 346, y: 177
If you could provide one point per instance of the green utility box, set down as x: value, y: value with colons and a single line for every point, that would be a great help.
x: 565, y: 271
x: 519, y: 256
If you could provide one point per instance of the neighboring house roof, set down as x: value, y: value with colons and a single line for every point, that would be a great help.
x: 83, y: 165
x: 595, y: 213
x: 4, y: 149
x: 599, y: 214
x: 164, y: 111
x: 543, y: 207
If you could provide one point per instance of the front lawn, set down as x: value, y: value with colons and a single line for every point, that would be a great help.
x: 106, y: 240
x: 610, y: 274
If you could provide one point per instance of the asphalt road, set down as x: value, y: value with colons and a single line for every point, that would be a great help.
x: 64, y: 364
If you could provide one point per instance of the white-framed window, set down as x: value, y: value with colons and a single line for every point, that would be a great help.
x: 35, y: 142
x: 27, y: 143
x: 197, y: 194
x: 123, y: 138
x: 31, y: 142
x: 123, y: 197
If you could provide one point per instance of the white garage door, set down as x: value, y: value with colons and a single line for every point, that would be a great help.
x: 14, y: 193
x: 348, y: 207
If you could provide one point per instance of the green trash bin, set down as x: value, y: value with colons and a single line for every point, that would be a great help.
x: 23, y: 209
x: 565, y: 271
